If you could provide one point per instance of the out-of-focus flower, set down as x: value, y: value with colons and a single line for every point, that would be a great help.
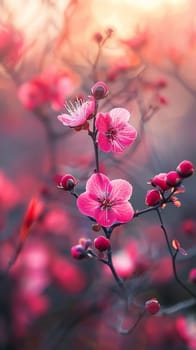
x: 33, y: 93
x: 69, y: 276
x: 106, y: 201
x: 52, y: 86
x: 138, y: 41
x: 33, y: 211
x: 114, y: 131
x: 56, y: 221
x: 61, y: 84
x: 11, y: 44
x: 189, y: 227
x: 78, y: 113
x: 192, y: 275
x: 9, y: 194
x: 186, y: 329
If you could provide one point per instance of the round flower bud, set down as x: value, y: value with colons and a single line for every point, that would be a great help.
x: 192, y: 275
x: 99, y: 90
x: 160, y: 181
x: 152, y: 306
x: 78, y: 252
x: 173, y: 179
x: 185, y: 168
x: 68, y: 182
x: 153, y: 197
x: 98, y: 37
x: 102, y: 243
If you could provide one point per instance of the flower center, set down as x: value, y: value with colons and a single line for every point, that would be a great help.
x: 73, y: 107
x: 105, y: 203
x: 111, y: 133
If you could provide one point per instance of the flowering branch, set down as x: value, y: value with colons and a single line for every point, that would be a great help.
x: 173, y: 256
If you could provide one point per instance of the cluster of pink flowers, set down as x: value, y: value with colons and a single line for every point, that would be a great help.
x: 52, y: 86
x: 107, y: 202
x: 113, y: 128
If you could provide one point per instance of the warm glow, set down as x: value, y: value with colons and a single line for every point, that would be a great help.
x: 152, y: 4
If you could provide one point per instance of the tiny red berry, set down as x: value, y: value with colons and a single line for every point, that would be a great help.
x: 173, y: 179
x: 152, y: 306
x: 153, y: 197
x: 185, y: 168
x: 192, y: 275
x: 102, y: 243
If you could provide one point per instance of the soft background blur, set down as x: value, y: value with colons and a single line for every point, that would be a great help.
x: 50, y: 52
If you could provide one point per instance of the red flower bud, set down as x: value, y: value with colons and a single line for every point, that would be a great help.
x: 78, y: 252
x: 153, y: 197
x: 192, y: 275
x: 99, y: 90
x: 173, y: 179
x: 152, y: 306
x: 68, y: 182
x: 185, y: 168
x: 98, y: 37
x: 160, y: 181
x: 101, y: 243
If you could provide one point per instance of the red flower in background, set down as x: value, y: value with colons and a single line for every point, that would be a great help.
x: 52, y: 86
x: 11, y: 44
x: 33, y: 93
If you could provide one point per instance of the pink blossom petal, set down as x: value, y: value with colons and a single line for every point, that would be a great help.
x: 119, y: 115
x: 121, y: 190
x: 98, y: 185
x: 104, y: 143
x: 87, y: 205
x: 125, y: 137
x: 105, y: 217
x: 103, y: 121
x: 123, y: 211
x: 72, y: 119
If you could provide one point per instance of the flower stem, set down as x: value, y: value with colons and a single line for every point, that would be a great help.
x: 173, y: 256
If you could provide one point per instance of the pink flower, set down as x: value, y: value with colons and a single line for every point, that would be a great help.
x: 115, y: 132
x: 34, y: 93
x: 11, y: 44
x: 106, y: 201
x: 78, y: 113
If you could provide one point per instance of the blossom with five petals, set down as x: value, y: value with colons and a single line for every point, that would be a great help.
x: 106, y: 201
x: 114, y: 130
x: 78, y: 113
